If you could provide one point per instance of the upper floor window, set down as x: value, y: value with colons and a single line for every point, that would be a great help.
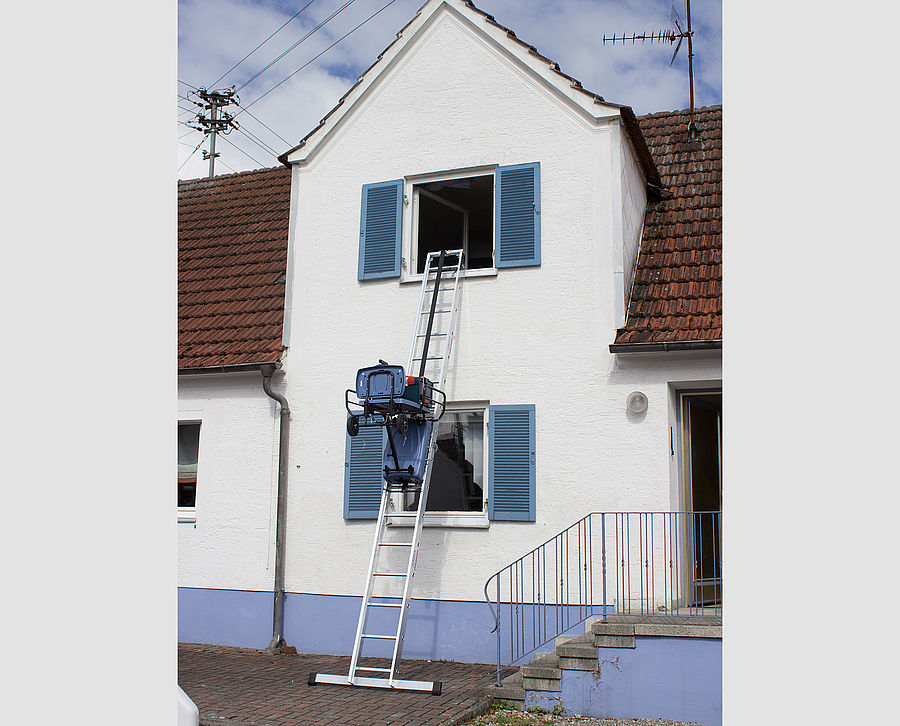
x: 494, y: 216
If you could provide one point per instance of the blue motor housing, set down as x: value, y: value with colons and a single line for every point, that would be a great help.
x: 380, y: 383
x: 411, y: 449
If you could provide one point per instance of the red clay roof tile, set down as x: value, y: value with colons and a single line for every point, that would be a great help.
x: 232, y: 248
x: 676, y: 294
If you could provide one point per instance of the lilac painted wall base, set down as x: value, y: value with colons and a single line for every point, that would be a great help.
x: 225, y: 617
x: 436, y: 629
x: 661, y: 677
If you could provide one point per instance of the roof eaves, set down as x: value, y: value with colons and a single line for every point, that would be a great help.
x: 674, y: 345
x: 234, y: 368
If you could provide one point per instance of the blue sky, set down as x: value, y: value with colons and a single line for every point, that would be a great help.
x: 213, y: 35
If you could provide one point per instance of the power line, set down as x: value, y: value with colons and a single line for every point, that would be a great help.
x: 317, y: 28
x: 193, y: 88
x: 191, y: 154
x: 270, y: 129
x: 258, y: 141
x: 261, y: 44
x: 226, y: 165
x: 244, y: 108
x: 243, y: 152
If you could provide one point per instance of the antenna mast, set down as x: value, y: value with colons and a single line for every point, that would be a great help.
x: 214, y: 124
x: 669, y: 36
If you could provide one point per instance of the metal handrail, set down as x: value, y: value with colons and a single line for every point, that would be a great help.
x: 637, y: 564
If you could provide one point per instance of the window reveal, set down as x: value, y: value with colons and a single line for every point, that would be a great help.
x: 454, y: 214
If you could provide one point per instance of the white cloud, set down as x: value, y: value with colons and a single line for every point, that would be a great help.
x: 214, y: 34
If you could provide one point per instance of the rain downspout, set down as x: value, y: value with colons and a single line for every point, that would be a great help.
x: 280, y: 511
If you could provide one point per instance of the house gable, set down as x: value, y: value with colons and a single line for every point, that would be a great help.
x: 503, y: 45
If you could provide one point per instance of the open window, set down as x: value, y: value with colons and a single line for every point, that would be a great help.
x: 494, y: 216
x: 454, y: 214
x: 188, y: 453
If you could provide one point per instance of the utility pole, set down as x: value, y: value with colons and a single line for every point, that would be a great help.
x: 214, y: 124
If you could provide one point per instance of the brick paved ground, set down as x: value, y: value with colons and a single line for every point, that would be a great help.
x: 241, y: 686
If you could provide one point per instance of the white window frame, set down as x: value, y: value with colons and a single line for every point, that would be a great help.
x: 188, y: 515
x: 410, y: 226
x: 473, y: 520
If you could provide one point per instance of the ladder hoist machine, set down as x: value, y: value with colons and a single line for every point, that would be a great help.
x: 409, y: 408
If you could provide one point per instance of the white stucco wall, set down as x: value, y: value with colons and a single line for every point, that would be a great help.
x: 532, y: 335
x: 634, y: 203
x: 230, y: 545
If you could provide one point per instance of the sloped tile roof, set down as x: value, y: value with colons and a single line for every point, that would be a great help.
x: 676, y: 295
x: 232, y: 256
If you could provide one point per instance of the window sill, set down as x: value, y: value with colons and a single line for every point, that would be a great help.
x: 476, y: 520
x: 481, y: 272
x: 187, y: 516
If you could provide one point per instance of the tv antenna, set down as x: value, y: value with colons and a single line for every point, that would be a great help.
x: 214, y: 124
x: 675, y: 35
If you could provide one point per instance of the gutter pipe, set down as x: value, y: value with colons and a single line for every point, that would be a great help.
x: 281, y: 509
x: 658, y: 347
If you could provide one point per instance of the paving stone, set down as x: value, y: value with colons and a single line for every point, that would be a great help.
x: 235, y: 686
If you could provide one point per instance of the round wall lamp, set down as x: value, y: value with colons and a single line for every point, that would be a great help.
x: 636, y: 402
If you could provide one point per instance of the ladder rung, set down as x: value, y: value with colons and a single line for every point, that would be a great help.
x: 433, y: 335
x: 388, y: 574
x: 395, y: 544
x: 384, y: 605
x: 379, y: 670
x: 401, y: 514
x: 431, y: 357
x: 379, y: 637
x: 426, y: 312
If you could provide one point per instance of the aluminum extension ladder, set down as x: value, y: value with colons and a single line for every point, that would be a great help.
x: 429, y: 352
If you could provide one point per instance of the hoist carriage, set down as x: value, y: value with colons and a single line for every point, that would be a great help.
x: 387, y: 396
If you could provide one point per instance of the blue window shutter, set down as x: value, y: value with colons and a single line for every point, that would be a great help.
x: 517, y: 204
x: 511, y: 482
x: 379, y: 230
x: 363, y: 473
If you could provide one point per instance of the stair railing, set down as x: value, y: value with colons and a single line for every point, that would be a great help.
x: 623, y: 564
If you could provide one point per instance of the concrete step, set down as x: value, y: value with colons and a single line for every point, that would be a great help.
x: 579, y: 654
x: 577, y: 650
x: 536, y: 671
x: 613, y: 635
x: 601, y: 628
x: 507, y: 693
x: 537, y: 677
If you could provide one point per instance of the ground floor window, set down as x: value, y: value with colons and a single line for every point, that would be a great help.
x: 188, y: 452
x: 458, y: 473
x: 457, y: 478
